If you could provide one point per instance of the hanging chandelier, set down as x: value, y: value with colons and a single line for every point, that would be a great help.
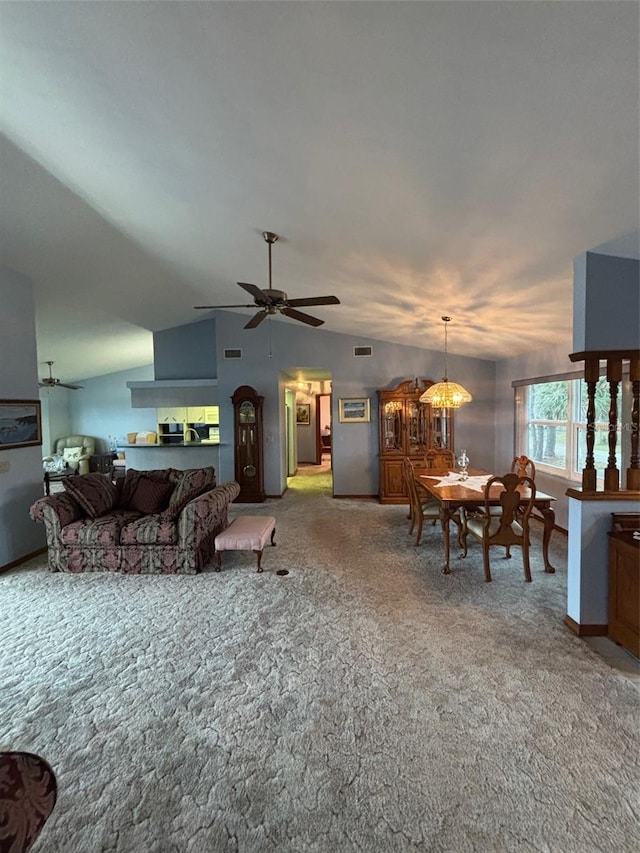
x: 445, y: 394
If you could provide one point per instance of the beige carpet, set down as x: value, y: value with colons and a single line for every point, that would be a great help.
x: 364, y: 702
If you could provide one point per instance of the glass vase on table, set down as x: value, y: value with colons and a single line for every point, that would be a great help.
x: 463, y: 464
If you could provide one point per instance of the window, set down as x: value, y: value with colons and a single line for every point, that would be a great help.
x: 551, y: 426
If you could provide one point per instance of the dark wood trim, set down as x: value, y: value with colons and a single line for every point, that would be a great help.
x: 586, y: 630
x: 24, y: 559
x: 604, y: 354
x: 625, y: 495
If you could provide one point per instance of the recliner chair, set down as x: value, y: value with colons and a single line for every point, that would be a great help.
x: 88, y: 447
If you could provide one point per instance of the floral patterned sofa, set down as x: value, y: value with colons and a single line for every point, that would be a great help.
x: 156, y: 522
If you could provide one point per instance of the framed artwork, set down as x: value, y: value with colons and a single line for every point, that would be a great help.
x: 303, y: 414
x: 352, y: 410
x: 20, y: 423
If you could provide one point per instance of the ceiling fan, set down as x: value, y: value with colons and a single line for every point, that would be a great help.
x: 271, y: 301
x: 51, y: 382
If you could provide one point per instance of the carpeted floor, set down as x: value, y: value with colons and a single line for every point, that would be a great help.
x: 363, y: 702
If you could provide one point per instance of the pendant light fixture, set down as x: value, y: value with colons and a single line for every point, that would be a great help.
x: 445, y: 394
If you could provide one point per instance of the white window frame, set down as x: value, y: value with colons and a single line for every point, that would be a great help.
x: 572, y: 426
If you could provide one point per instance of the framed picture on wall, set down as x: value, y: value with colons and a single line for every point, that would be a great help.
x: 354, y: 410
x: 303, y: 414
x: 20, y: 423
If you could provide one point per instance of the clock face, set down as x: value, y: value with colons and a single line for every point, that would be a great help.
x: 247, y: 413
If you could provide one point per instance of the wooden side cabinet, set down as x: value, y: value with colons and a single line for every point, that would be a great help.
x: 624, y: 590
x: 407, y: 428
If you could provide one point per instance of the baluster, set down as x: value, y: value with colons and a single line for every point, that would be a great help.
x: 589, y: 474
x: 633, y: 471
x: 614, y: 376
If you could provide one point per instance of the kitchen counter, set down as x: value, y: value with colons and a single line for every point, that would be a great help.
x: 201, y: 454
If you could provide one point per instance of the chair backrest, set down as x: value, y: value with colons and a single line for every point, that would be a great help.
x: 523, y: 467
x: 410, y: 483
x: 28, y: 794
x: 86, y: 442
x: 504, y: 531
x: 439, y: 457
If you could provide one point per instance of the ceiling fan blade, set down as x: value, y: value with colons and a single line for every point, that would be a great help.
x: 256, y: 319
x: 214, y: 307
x: 73, y: 387
x: 255, y: 291
x: 315, y: 300
x: 303, y: 318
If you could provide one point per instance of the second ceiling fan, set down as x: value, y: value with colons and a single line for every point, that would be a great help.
x: 271, y: 301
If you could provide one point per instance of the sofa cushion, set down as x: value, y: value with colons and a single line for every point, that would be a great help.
x: 150, y: 496
x: 97, y: 531
x: 150, y: 530
x: 95, y: 493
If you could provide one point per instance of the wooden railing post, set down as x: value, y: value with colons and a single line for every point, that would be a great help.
x: 614, y: 377
x: 633, y: 471
x: 591, y: 375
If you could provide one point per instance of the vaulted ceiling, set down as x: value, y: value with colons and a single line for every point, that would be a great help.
x: 416, y: 159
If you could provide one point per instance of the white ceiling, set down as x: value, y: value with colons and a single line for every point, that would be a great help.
x: 416, y: 158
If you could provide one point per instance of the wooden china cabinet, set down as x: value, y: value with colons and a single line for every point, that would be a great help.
x: 407, y: 428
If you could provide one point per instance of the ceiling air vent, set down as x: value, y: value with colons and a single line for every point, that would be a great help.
x: 362, y: 351
x: 233, y: 353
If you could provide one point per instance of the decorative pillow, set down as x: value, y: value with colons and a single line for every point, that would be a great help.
x: 71, y: 455
x: 150, y: 496
x: 175, y: 507
x: 194, y: 482
x: 95, y: 493
x: 132, y: 478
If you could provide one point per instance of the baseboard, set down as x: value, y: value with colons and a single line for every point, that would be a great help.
x: 356, y: 497
x: 21, y: 560
x: 581, y: 630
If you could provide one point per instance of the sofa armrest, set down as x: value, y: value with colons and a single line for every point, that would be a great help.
x: 207, y: 514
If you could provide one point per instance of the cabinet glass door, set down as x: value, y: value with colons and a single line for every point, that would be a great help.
x: 392, y: 425
x: 418, y: 427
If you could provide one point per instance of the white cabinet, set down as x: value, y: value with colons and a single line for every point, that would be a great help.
x: 173, y: 415
x: 212, y: 415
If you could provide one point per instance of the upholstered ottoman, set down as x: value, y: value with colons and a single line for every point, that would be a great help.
x: 246, y: 533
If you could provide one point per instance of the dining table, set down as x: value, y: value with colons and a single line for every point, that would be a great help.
x: 453, y: 493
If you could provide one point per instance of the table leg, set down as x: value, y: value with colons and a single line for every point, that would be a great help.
x: 549, y: 518
x: 445, y: 515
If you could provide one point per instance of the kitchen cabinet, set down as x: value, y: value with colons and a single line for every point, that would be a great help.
x: 172, y: 415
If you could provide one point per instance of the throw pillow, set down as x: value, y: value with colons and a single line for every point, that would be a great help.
x: 175, y: 507
x: 193, y: 482
x: 95, y: 493
x: 71, y: 455
x: 150, y: 496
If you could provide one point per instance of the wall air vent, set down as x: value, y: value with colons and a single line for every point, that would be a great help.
x: 362, y: 351
x: 233, y: 353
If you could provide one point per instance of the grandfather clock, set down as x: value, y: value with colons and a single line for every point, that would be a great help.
x: 247, y: 433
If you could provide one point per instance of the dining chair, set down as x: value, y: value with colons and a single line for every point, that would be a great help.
x: 422, y: 505
x: 523, y: 467
x: 439, y: 457
x: 510, y: 527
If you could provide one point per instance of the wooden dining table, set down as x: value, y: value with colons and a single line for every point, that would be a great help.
x: 457, y: 494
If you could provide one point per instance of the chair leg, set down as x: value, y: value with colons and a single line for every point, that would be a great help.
x: 485, y: 561
x: 419, y: 534
x: 525, y: 560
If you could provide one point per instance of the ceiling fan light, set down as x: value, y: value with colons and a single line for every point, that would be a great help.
x: 446, y: 395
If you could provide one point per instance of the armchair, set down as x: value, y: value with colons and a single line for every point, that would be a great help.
x: 78, y: 460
